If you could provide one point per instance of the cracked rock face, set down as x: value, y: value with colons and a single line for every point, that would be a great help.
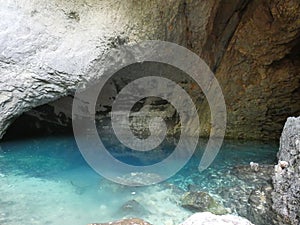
x: 259, y: 71
x: 47, y: 48
x: 286, y: 180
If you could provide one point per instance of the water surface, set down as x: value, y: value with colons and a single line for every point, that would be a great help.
x: 46, y: 181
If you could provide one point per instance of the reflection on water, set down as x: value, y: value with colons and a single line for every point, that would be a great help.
x: 46, y: 181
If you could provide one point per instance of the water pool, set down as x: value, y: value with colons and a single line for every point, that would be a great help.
x: 46, y: 181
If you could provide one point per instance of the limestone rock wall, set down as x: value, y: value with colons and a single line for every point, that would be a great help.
x: 286, y: 180
x: 47, y: 48
x: 260, y: 69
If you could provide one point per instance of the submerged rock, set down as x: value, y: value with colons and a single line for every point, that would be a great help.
x: 139, y: 179
x: 202, y: 202
x: 260, y: 174
x: 259, y: 208
x: 207, y: 218
x: 286, y: 179
x: 268, y: 202
x: 132, y: 208
x: 133, y: 221
x: 251, y: 197
x: 236, y: 198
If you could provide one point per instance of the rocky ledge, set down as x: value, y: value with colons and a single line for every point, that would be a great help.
x: 274, y: 197
x: 286, y: 180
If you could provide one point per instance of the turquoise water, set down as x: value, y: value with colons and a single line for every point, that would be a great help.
x: 46, y: 181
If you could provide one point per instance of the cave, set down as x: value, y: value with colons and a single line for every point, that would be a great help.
x: 104, y: 120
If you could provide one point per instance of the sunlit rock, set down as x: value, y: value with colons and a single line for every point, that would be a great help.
x: 134, y: 221
x: 206, y: 218
x: 202, y: 202
x: 47, y: 49
x: 139, y: 179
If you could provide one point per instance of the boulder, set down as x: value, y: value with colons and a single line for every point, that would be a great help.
x: 262, y: 174
x: 206, y: 218
x: 259, y: 207
x: 133, y: 221
x: 132, y: 208
x: 202, y: 202
x: 286, y: 178
x: 252, y: 197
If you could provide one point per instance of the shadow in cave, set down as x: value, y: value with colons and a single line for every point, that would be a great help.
x: 41, y: 121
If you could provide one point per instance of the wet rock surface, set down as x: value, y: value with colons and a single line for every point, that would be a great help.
x: 272, y: 193
x: 259, y: 207
x: 134, y: 221
x: 251, y: 198
x: 260, y: 175
x: 139, y: 179
x: 286, y: 180
x: 132, y: 208
x: 202, y: 202
x: 207, y: 218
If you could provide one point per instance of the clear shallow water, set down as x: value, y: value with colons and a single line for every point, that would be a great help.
x: 46, y: 181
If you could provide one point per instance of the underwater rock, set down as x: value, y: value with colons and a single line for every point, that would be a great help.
x: 252, y: 202
x: 176, y: 190
x: 260, y: 174
x: 202, y: 202
x: 207, y: 218
x: 251, y: 196
x: 236, y: 198
x: 286, y: 179
x: 259, y: 208
x: 276, y: 202
x: 139, y: 179
x: 133, y: 221
x: 132, y: 208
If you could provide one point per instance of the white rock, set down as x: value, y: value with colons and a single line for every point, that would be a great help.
x: 283, y: 164
x: 207, y: 218
x: 48, y: 47
x: 254, y: 166
x: 277, y: 169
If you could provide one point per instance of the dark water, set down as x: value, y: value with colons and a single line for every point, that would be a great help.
x: 47, y: 181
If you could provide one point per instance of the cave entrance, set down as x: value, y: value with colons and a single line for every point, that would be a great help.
x: 55, y: 118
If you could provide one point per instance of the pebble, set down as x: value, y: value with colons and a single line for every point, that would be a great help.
x: 283, y: 164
